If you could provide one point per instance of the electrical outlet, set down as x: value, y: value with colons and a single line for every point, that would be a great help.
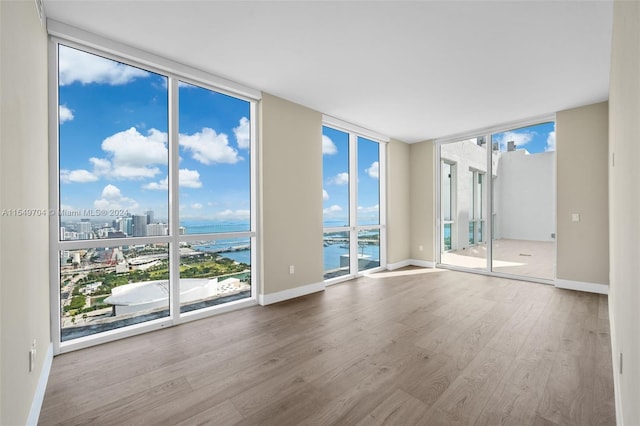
x: 292, y: 269
x: 420, y: 248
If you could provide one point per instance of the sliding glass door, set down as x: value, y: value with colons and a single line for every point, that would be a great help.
x: 523, y: 240
x: 497, y: 206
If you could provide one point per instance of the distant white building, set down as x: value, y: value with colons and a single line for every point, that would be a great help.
x: 523, y: 196
x: 90, y: 288
x: 157, y: 229
x: 150, y: 295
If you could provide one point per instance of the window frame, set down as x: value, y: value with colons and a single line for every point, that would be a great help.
x: 355, y: 132
x: 61, y: 34
x: 453, y: 206
x: 476, y: 210
x: 489, y: 209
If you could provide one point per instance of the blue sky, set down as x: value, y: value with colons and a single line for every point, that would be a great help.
x: 535, y: 139
x: 114, y: 145
x: 335, y: 150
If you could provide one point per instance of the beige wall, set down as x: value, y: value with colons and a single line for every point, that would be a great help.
x: 422, y: 199
x: 582, y: 187
x: 624, y: 213
x: 291, y: 182
x: 24, y: 277
x: 398, y: 202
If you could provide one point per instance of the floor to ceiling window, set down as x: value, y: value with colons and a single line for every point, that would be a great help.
x: 152, y: 195
x: 497, y: 205
x: 353, y: 202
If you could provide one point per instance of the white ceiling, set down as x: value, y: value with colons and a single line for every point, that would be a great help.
x: 410, y: 70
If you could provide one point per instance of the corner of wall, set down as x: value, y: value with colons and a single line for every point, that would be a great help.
x: 24, y: 183
x: 398, y: 201
x: 422, y: 193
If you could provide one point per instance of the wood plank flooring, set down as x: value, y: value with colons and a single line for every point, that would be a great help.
x: 430, y: 347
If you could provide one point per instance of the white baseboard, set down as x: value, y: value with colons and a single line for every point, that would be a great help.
x: 268, y: 299
x: 38, y: 398
x: 582, y: 286
x: 410, y: 262
x: 398, y: 265
x: 423, y: 263
x: 616, y: 367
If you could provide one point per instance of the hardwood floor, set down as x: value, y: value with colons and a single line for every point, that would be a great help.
x: 431, y: 347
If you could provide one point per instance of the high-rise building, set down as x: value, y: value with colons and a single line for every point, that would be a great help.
x: 85, y: 231
x: 126, y: 226
x: 149, y: 214
x: 157, y: 229
x: 139, y: 225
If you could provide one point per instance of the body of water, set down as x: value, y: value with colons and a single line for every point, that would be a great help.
x: 231, y: 248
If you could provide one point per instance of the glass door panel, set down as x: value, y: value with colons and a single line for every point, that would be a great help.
x: 368, y: 249
x: 368, y: 212
x: 335, y: 200
x: 523, y: 240
x: 352, y: 196
x: 336, y: 254
x: 463, y: 202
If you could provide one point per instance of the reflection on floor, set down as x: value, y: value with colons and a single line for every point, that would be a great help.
x: 519, y: 257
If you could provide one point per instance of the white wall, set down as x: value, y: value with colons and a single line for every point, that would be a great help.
x: 291, y: 180
x: 422, y: 195
x: 624, y: 207
x: 582, y: 247
x: 24, y: 276
x: 398, y: 202
x: 524, y: 196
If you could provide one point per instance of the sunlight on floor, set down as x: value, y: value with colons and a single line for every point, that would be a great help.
x: 408, y: 270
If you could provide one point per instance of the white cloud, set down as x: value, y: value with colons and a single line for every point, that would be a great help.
x: 112, y: 198
x: 186, y: 178
x: 77, y: 176
x: 331, y: 210
x: 340, y: 179
x: 551, y: 141
x: 243, y: 133
x: 196, y: 206
x: 101, y: 167
x: 132, y: 153
x: 369, y: 209
x: 64, y: 114
x: 163, y: 185
x: 85, y: 68
x: 328, y: 147
x: 374, y: 170
x: 208, y: 147
x: 325, y: 195
x: 233, y: 214
x: 520, y: 139
x: 189, y: 178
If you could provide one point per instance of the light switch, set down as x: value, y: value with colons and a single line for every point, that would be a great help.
x: 575, y: 217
